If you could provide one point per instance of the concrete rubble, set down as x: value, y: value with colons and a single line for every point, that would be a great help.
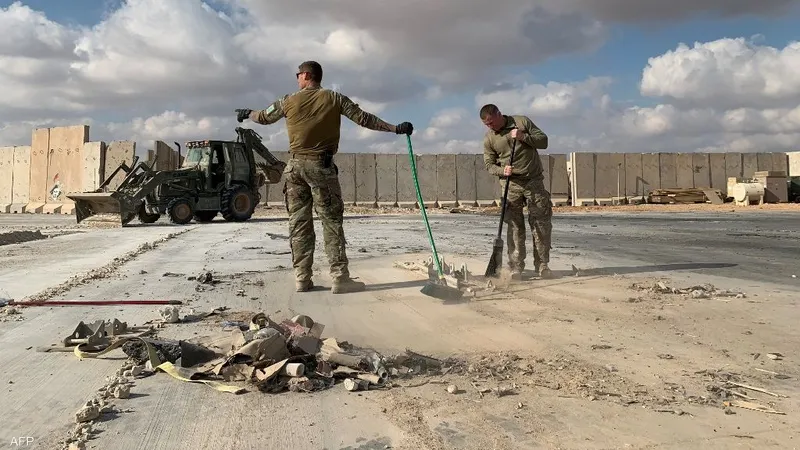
x: 117, y: 387
x: 700, y: 291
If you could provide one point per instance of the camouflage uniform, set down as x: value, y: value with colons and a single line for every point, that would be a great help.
x: 526, y: 186
x: 313, y: 119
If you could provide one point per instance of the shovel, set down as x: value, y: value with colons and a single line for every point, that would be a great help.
x: 496, y: 260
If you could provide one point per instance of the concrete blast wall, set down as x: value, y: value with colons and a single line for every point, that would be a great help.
x: 596, y: 177
x: 62, y: 160
x: 793, y: 163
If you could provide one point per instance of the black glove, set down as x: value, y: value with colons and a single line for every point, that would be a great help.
x: 242, y: 114
x: 405, y: 128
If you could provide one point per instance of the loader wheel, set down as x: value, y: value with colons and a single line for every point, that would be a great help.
x: 144, y: 217
x: 238, y: 204
x: 180, y: 211
x: 204, y: 216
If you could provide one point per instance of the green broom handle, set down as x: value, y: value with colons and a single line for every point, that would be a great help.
x: 422, y: 207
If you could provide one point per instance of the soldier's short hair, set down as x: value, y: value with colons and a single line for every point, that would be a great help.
x: 313, y: 68
x: 488, y: 111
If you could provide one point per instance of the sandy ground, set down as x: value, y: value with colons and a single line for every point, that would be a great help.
x: 601, y: 358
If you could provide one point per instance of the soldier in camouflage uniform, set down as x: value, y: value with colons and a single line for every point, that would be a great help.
x: 526, y: 180
x: 313, y: 119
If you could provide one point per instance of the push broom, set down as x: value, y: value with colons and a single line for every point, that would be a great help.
x: 496, y: 259
x: 439, y: 288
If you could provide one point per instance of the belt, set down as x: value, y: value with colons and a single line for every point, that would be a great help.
x: 306, y: 157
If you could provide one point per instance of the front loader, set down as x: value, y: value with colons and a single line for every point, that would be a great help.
x: 215, y: 177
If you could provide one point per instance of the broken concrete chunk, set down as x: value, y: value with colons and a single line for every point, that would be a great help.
x: 452, y: 389
x: 122, y: 391
x: 171, y: 314
x: 87, y: 413
x: 78, y: 445
x: 137, y: 370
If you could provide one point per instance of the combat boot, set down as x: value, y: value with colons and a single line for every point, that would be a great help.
x: 347, y: 285
x: 545, y: 272
x: 516, y: 274
x: 303, y: 286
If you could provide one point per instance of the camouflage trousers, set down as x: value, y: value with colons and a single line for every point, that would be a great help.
x: 522, y: 192
x: 310, y: 185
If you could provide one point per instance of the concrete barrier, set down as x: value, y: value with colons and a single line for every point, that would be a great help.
x: 717, y: 167
x: 793, y: 164
x: 166, y: 156
x: 426, y: 174
x: 446, y: 181
x: 668, y: 170
x: 609, y: 177
x: 559, y: 181
x: 386, y: 175
x: 118, y: 152
x: 21, y: 188
x: 6, y: 178
x: 651, y: 173
x: 684, y: 175
x: 634, y: 188
x: 701, y: 167
x: 780, y: 162
x: 749, y: 164
x: 366, y: 180
x: 764, y: 162
x: 466, y: 179
x: 65, y: 167
x: 94, y: 163
x: 582, y: 167
x: 40, y: 148
x: 486, y: 184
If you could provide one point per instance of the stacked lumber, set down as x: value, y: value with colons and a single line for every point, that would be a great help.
x: 685, y: 195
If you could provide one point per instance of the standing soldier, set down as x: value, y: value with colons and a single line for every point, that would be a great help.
x: 526, y: 185
x: 313, y: 121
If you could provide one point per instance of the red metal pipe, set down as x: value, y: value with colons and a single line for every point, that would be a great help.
x: 97, y: 303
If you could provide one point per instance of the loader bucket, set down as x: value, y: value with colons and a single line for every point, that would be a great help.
x: 88, y: 204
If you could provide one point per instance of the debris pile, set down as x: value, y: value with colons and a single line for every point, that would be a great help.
x: 116, y: 387
x: 272, y: 357
x: 700, y: 291
x: 728, y: 390
x: 9, y: 313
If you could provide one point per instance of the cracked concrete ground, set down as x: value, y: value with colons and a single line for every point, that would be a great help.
x: 595, y: 363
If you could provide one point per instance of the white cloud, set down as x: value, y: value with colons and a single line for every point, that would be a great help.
x: 176, y: 70
x: 727, y: 73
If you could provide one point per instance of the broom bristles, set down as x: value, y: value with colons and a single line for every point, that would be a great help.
x: 495, y: 261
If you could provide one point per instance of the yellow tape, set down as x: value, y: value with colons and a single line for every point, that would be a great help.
x: 170, y: 368
x: 166, y: 366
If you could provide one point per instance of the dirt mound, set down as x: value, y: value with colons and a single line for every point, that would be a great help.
x: 18, y: 237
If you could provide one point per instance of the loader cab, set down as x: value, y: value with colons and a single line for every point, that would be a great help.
x: 209, y: 156
x: 223, y: 162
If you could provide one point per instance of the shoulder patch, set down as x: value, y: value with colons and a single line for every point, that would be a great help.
x: 270, y: 109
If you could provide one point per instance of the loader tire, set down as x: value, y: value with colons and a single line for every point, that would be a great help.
x: 204, y: 216
x: 238, y: 204
x: 145, y: 217
x: 180, y: 211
